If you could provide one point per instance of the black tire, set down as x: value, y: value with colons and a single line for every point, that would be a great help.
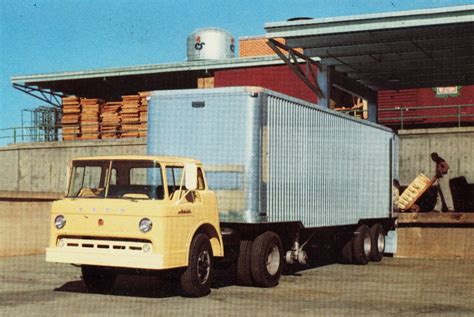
x: 377, y: 235
x: 98, y: 279
x: 266, y: 259
x: 244, y: 274
x: 197, y: 278
x: 361, y: 245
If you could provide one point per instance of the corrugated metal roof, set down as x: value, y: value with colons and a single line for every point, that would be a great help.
x: 147, y: 69
x: 407, y: 49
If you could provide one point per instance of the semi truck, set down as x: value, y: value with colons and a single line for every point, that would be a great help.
x: 242, y: 177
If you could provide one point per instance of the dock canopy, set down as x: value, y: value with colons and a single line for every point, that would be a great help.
x: 389, y: 51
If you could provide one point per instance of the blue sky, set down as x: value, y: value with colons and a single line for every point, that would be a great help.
x: 45, y: 36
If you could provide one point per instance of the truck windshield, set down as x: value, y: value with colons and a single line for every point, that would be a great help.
x: 116, y: 179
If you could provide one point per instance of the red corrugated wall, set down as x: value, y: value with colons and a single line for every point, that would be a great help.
x: 424, y: 97
x: 278, y: 78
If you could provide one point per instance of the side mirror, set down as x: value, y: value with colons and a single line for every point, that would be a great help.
x: 190, y: 176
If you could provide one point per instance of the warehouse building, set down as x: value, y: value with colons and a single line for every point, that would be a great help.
x: 403, y: 69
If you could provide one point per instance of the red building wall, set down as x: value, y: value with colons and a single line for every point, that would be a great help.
x: 278, y: 78
x: 424, y: 97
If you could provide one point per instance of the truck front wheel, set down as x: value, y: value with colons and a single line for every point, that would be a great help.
x: 267, y: 259
x: 197, y: 278
x: 97, y: 279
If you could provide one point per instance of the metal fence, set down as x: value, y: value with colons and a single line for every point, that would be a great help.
x: 34, y: 133
x: 403, y: 116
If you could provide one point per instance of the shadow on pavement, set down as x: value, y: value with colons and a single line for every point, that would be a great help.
x: 149, y: 286
x: 167, y: 284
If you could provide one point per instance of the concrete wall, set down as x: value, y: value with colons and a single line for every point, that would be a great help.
x: 25, y: 222
x: 455, y: 145
x: 41, y: 167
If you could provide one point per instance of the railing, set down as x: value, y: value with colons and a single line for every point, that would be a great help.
x: 34, y: 134
x: 406, y: 116
x: 354, y: 112
x: 411, y: 115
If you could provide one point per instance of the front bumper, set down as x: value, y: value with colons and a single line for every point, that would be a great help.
x: 107, y: 253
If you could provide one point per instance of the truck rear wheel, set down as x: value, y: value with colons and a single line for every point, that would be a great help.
x: 197, y: 278
x: 361, y: 245
x: 346, y: 252
x: 267, y: 259
x: 378, y: 242
x: 244, y: 274
x: 97, y: 279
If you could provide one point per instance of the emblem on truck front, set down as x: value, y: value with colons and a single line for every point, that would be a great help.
x: 184, y: 211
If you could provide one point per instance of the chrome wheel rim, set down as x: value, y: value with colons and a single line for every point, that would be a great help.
x: 381, y: 242
x: 367, y: 245
x: 273, y: 260
x: 204, y: 266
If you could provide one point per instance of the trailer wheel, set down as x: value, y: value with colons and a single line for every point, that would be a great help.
x: 244, y: 274
x: 97, y: 279
x: 197, y: 278
x: 378, y: 242
x: 267, y: 259
x: 346, y: 252
x: 361, y: 245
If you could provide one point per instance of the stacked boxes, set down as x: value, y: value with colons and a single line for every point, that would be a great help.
x: 414, y: 191
x: 130, y: 116
x: 110, y: 117
x: 90, y: 127
x: 71, y: 118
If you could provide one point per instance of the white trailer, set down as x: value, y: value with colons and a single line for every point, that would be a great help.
x: 285, y: 171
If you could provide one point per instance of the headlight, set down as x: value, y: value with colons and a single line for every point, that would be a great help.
x: 60, y: 222
x: 145, y: 225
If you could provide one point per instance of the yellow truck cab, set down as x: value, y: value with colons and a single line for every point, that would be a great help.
x: 139, y: 212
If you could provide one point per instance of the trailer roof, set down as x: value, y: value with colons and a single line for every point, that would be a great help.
x: 406, y: 49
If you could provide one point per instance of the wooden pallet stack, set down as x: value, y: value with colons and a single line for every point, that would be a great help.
x: 110, y: 120
x: 90, y: 119
x: 71, y: 118
x: 130, y: 116
x: 143, y: 113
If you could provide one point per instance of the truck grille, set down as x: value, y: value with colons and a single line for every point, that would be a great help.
x: 100, y: 244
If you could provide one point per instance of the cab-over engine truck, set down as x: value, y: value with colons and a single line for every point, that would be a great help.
x: 282, y: 171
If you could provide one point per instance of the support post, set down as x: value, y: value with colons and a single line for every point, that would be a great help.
x: 372, y: 108
x: 324, y: 83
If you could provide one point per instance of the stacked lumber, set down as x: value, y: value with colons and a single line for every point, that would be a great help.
x: 130, y: 116
x: 71, y: 118
x: 205, y: 82
x: 90, y: 124
x: 143, y: 113
x: 110, y: 120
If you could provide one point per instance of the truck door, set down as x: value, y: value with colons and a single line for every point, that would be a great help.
x: 189, y: 208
